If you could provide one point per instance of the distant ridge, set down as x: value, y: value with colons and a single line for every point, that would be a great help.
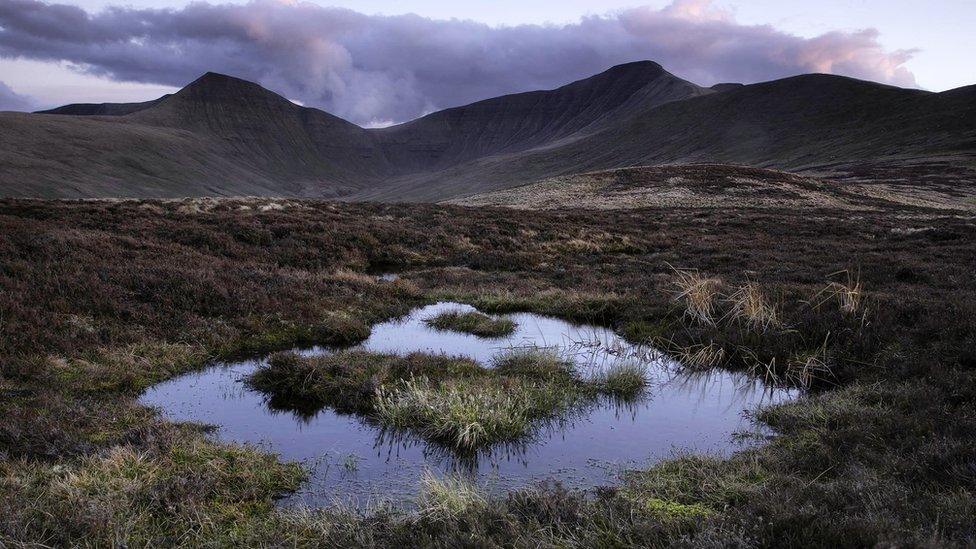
x: 222, y: 135
x: 102, y: 109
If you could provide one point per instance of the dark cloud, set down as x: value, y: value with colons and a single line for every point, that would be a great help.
x: 393, y: 68
x: 12, y: 101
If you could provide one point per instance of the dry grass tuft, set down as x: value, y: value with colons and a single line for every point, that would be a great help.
x: 698, y: 294
x: 748, y: 305
x: 850, y: 293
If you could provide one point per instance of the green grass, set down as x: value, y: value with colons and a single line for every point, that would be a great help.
x: 470, y: 414
x: 472, y: 322
x: 450, y: 401
x: 624, y: 380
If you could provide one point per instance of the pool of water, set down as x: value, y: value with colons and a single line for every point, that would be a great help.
x: 354, y: 461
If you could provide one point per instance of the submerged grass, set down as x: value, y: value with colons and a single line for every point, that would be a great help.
x: 472, y: 322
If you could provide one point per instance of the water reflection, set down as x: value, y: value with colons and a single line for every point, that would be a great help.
x: 352, y: 458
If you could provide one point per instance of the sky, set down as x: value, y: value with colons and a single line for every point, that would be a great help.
x: 377, y: 62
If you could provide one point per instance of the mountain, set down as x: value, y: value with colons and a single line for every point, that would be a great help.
x: 226, y: 136
x: 817, y: 124
x: 518, y: 122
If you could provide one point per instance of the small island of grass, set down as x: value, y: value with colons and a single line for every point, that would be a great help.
x: 473, y: 323
x: 450, y: 401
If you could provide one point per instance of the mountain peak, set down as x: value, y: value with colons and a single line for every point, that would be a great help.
x: 216, y: 86
x: 635, y: 66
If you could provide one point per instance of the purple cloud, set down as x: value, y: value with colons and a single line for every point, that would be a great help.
x: 13, y: 101
x: 372, y: 69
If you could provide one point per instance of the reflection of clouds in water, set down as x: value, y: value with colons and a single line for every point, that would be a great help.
x: 694, y: 411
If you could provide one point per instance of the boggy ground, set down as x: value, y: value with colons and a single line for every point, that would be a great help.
x: 100, y: 299
x: 450, y: 401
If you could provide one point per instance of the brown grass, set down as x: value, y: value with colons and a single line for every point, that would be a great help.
x: 97, y: 299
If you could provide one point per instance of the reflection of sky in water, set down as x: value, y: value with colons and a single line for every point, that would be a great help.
x: 697, y: 413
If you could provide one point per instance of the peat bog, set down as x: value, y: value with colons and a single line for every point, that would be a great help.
x: 552, y: 401
x: 872, y: 312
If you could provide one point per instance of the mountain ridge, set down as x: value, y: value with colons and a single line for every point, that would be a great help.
x: 631, y: 114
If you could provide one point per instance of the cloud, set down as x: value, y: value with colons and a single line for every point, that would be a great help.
x: 371, y: 68
x: 13, y: 101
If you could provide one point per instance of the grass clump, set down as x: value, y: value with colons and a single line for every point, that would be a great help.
x: 623, y: 380
x: 472, y: 322
x: 443, y: 499
x: 750, y: 306
x: 535, y: 363
x: 698, y: 294
x: 451, y: 401
x: 348, y: 381
x: 473, y: 413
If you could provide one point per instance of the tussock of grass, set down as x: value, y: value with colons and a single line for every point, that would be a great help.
x: 445, y: 499
x: 472, y: 322
x: 348, y: 381
x: 451, y: 401
x: 336, y: 328
x: 698, y: 295
x: 535, y: 363
x: 624, y: 380
x: 749, y: 306
x: 473, y: 413
x: 849, y: 293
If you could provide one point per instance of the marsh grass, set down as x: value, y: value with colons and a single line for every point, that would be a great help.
x: 880, y: 456
x: 451, y: 401
x: 623, y: 379
x: 447, y: 498
x: 848, y: 293
x: 749, y: 305
x: 534, y: 363
x: 471, y: 414
x: 699, y: 356
x: 472, y: 322
x: 698, y: 295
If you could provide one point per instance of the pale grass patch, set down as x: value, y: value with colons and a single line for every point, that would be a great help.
x: 698, y: 294
x: 465, y: 416
x: 352, y: 277
x: 448, y: 497
x: 750, y: 306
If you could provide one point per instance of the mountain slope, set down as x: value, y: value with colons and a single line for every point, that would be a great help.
x: 518, y: 122
x: 103, y: 109
x: 225, y: 136
x: 805, y: 123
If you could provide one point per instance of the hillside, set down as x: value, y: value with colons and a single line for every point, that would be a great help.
x: 814, y: 123
x: 714, y: 186
x: 225, y: 136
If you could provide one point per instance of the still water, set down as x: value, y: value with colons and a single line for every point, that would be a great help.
x: 356, y: 462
